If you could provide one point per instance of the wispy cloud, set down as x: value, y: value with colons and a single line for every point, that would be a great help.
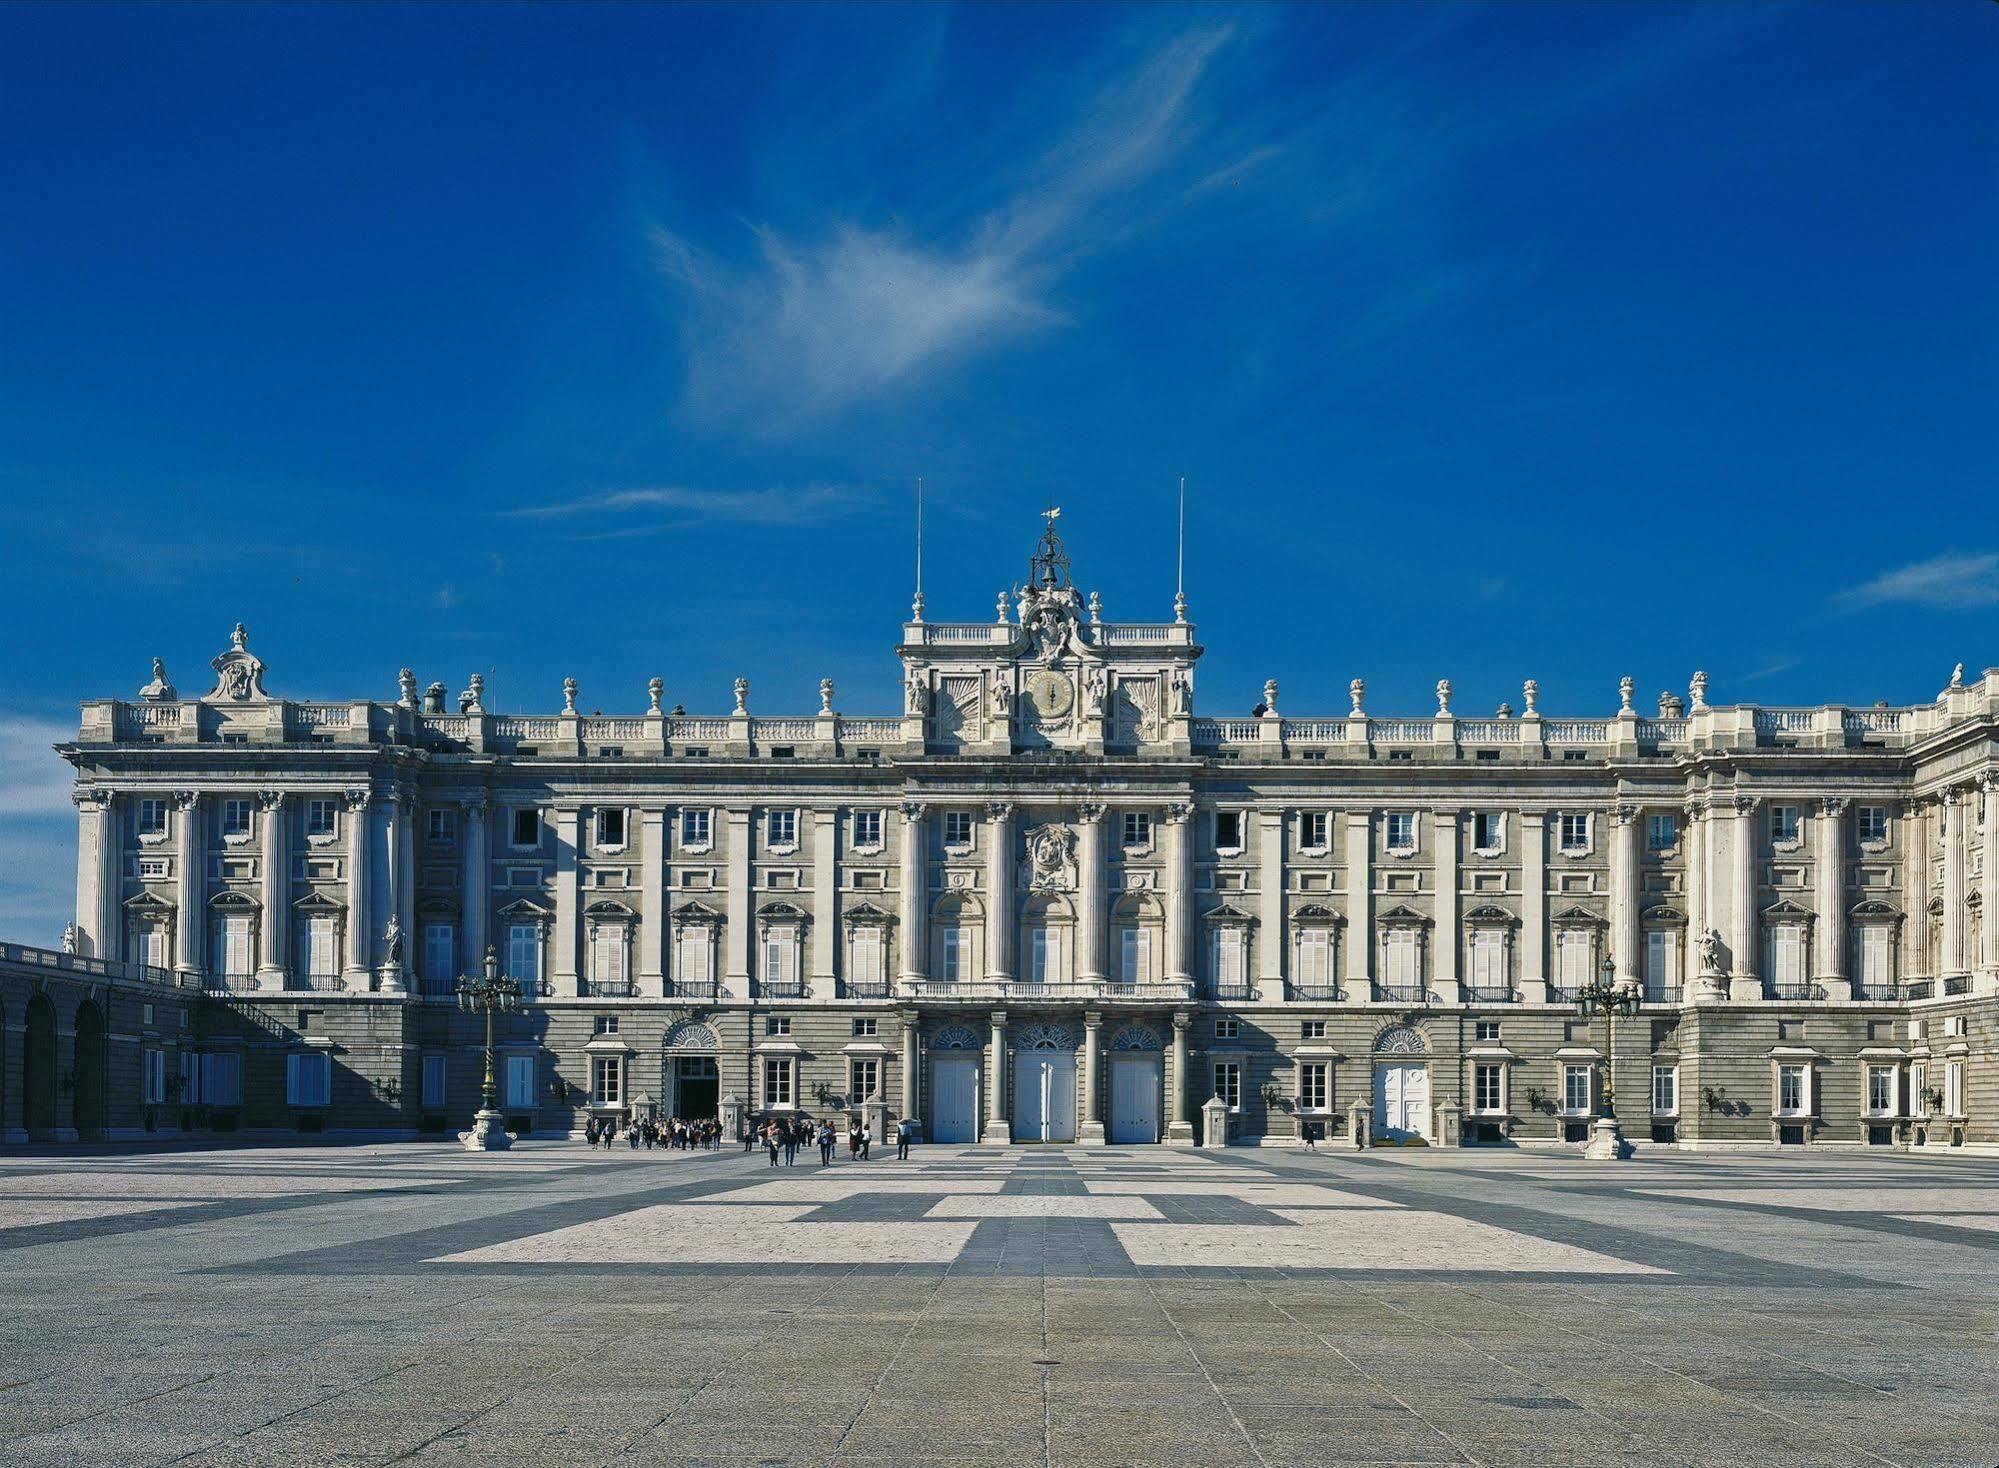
x: 34, y: 781
x: 778, y: 505
x: 37, y: 831
x: 1945, y: 583
x: 807, y: 327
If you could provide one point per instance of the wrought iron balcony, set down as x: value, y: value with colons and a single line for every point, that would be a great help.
x: 1488, y: 994
x: 1404, y: 994
x: 692, y: 989
x: 781, y: 989
x: 1323, y: 993
x: 1797, y: 991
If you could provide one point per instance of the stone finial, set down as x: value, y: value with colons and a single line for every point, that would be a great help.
x: 159, y: 690
x: 433, y: 699
x: 1530, y: 697
x: 1180, y: 606
x: 473, y: 699
x: 1357, y: 690
x: 742, y: 691
x: 1625, y: 688
x: 1505, y: 711
x: 1096, y: 607
x: 1443, y: 695
x: 569, y: 695
x: 825, y: 695
x: 655, y: 688
x: 999, y: 609
x: 1697, y: 691
x: 406, y: 688
x: 916, y: 607
x: 1270, y: 695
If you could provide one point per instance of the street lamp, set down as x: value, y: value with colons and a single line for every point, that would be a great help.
x: 492, y: 992
x: 1608, y: 997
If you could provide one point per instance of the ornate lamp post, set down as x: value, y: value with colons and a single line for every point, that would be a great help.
x: 492, y: 992
x: 1606, y: 996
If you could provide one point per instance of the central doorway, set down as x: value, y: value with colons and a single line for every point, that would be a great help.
x: 1044, y: 1096
x: 1402, y: 1102
x: 697, y: 1091
x: 954, y: 1098
x: 1134, y: 1099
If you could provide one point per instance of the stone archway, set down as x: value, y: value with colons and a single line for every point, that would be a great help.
x: 38, y: 1071
x: 92, y: 1072
x: 692, y: 1084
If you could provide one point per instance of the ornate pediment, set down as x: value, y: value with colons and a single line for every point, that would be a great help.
x: 239, y: 673
x: 1577, y: 916
x: 1785, y: 908
x: 1228, y: 915
x: 1490, y: 916
x: 1404, y: 917
x: 1662, y: 912
x: 697, y: 912
x: 1874, y: 908
x: 866, y: 914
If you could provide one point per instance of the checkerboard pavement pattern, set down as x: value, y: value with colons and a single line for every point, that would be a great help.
x: 558, y: 1304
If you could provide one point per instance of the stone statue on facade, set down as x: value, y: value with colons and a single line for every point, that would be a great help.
x: 1270, y: 695
x: 999, y: 609
x: 1002, y: 695
x: 1180, y: 692
x: 1096, y: 608
x: 69, y: 937
x: 1051, y: 853
x: 1708, y: 945
x: 159, y: 690
x: 915, y: 694
x: 741, y: 688
x: 392, y: 941
x: 1957, y: 676
x: 1096, y: 690
x: 569, y: 695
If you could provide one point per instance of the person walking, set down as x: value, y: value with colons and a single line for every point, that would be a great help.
x: 825, y: 1144
x: 770, y: 1142
x: 790, y: 1144
x: 867, y: 1136
x: 902, y: 1131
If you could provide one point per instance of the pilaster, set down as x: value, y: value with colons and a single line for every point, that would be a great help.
x: 475, y: 881
x: 825, y: 901
x: 1090, y: 894
x: 1743, y: 984
x: 1179, y: 1131
x: 359, y: 968
x: 1090, y: 1126
x: 1829, y: 879
x: 1179, y: 893
x: 188, y: 882
x: 914, y: 877
x: 1273, y: 942
x: 741, y: 935
x: 1953, y: 883
x: 997, y: 1132
x: 1358, y: 983
x: 1534, y: 907
x: 97, y: 873
x: 273, y: 869
x: 1625, y: 895
x: 1000, y: 925
x: 1445, y: 833
x: 565, y: 941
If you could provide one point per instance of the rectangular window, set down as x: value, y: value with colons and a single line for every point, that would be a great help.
x: 152, y: 1076
x: 867, y: 1026
x: 1488, y: 958
x: 777, y: 1084
x: 781, y: 827
x: 1486, y: 1031
x: 610, y: 826
x: 524, y: 954
x: 1312, y: 827
x: 1953, y: 1088
x: 526, y: 828
x: 1881, y: 1089
x: 780, y: 956
x: 1401, y: 830
x: 777, y: 1024
x: 1485, y: 1087
x: 1919, y: 1087
x: 440, y: 953
x: 1574, y: 828
x: 222, y: 1079
x: 438, y: 829
x: 520, y: 1083
x: 1662, y: 831
x: 1315, y: 956
x: 1137, y: 829
x: 1038, y: 958
x: 1790, y: 1090
x: 232, y: 946
x: 606, y: 1024
x: 308, y: 1080
x: 1576, y: 1089
x: 1228, y: 830
x: 952, y: 968
x: 1787, y: 953
x: 607, y: 1080
x: 957, y: 828
x: 1314, y: 1088
x: 1227, y: 1029
x: 1228, y: 1082
x: 1872, y: 823
x: 235, y: 818
x: 865, y: 1077
x: 1573, y: 949
x: 433, y: 1083
x: 322, y: 958
x: 320, y: 817
x: 1488, y: 830
x: 1312, y: 1029
x: 1658, y: 974
x: 1399, y: 965
x: 607, y: 955
x: 1134, y: 955
x: 694, y: 828
x: 866, y: 956
x: 1228, y: 957
x: 1665, y: 1090
x: 696, y: 951
x: 1783, y: 823
x: 867, y: 828
x: 1956, y: 1025
x: 1876, y: 958
x: 152, y: 818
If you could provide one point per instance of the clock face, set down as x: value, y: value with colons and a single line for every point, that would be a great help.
x: 1051, y: 694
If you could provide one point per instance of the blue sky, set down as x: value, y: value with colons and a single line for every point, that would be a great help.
x: 1493, y: 341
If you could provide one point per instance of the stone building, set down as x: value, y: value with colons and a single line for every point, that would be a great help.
x: 1045, y: 900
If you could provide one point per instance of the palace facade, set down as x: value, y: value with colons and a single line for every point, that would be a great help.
x: 1044, y: 901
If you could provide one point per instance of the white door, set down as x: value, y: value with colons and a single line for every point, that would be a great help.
x: 1134, y: 1098
x: 1044, y: 1096
x: 954, y: 1100
x: 1402, y: 1101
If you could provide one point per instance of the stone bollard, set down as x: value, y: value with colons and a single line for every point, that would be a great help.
x: 1450, y: 1125
x: 730, y: 1112
x: 1214, y: 1122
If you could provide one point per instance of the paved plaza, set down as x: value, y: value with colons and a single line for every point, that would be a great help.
x: 996, y: 1306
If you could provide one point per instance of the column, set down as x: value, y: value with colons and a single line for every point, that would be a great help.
x: 187, y: 881
x: 1914, y: 842
x: 1625, y: 896
x: 1829, y: 856
x: 1533, y: 982
x: 997, y: 1132
x: 563, y: 977
x: 741, y: 936
x: 273, y: 869
x: 653, y: 921
x: 359, y: 973
x: 1179, y: 893
x: 1693, y: 862
x: 1358, y: 984
x: 402, y: 876
x: 1446, y: 826
x: 475, y: 884
x: 912, y: 1062
x: 999, y: 894
x: 1953, y: 882
x: 1988, y: 884
x: 97, y: 879
x: 1179, y: 1131
x: 1742, y: 980
x: 825, y: 901
x: 1273, y: 940
x: 1090, y: 893
x: 915, y: 879
x: 1090, y: 1126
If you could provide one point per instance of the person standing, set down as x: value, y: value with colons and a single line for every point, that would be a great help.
x: 825, y: 1144
x: 770, y: 1142
x: 867, y: 1136
x: 902, y: 1131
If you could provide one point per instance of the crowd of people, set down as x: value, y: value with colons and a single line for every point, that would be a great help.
x: 780, y: 1136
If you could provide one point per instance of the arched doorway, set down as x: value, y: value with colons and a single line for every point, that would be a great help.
x: 1135, y: 1085
x: 91, y: 1072
x: 1401, y: 1085
x: 38, y: 1071
x: 1044, y: 1085
x: 692, y: 1085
